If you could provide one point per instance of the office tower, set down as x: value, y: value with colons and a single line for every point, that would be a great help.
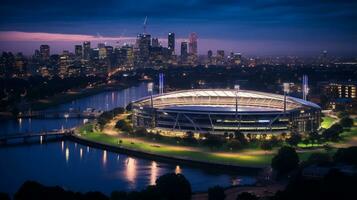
x: 78, y: 50
x: 171, y: 42
x: 86, y: 50
x: 155, y: 42
x: 143, y: 43
x: 45, y: 52
x: 220, y: 57
x: 209, y: 56
x: 236, y: 58
x: 193, y: 44
x: 102, y: 53
x: 184, y: 52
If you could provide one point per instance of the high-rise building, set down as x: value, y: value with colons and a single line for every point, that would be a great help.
x: 45, y: 52
x: 78, y: 51
x: 155, y: 42
x: 184, y: 52
x: 209, y: 56
x: 193, y: 44
x: 171, y: 42
x: 220, y: 57
x: 143, y: 43
x: 86, y: 50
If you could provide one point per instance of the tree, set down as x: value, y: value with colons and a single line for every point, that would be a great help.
x: 285, y: 161
x: 294, y: 139
x: 240, y: 137
x: 333, y: 133
x: 346, y: 122
x: 266, y: 145
x: 216, y: 193
x: 320, y: 159
x: 346, y: 155
x: 4, y: 196
x: 234, y: 144
x: 213, y: 141
x: 174, y: 187
x: 247, y: 196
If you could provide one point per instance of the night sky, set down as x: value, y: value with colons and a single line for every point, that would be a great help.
x: 272, y: 27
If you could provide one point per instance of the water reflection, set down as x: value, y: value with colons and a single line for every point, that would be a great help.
x: 154, y: 173
x: 80, y: 153
x: 41, y: 139
x: 62, y: 146
x: 104, y: 160
x: 178, y: 170
x: 67, y: 154
x: 130, y: 171
x: 87, y: 149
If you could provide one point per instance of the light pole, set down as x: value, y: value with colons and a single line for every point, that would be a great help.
x: 150, y: 90
x: 236, y: 88
x: 286, y: 91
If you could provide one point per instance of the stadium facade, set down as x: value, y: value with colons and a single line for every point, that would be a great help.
x: 220, y: 111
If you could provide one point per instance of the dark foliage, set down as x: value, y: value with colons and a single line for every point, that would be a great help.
x: 174, y: 187
x: 216, y: 193
x: 285, y: 161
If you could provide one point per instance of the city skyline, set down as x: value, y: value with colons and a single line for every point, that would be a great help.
x: 255, y: 28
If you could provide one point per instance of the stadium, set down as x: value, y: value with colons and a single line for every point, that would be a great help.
x: 222, y: 111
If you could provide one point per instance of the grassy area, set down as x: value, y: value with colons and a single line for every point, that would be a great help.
x: 328, y: 122
x: 249, y: 157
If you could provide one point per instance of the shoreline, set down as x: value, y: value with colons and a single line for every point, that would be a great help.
x: 163, y: 158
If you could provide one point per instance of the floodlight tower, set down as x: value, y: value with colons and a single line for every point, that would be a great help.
x: 286, y: 91
x: 305, y: 87
x: 161, y: 83
x: 150, y: 90
x: 236, y: 88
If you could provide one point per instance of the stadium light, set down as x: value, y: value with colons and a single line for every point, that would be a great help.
x: 236, y: 88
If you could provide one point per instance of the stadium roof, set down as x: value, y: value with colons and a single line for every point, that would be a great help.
x: 224, y: 93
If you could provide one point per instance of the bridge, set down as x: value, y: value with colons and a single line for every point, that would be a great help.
x: 43, y: 136
x: 60, y: 114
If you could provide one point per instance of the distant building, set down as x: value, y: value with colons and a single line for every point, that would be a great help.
x: 209, y: 56
x: 171, y: 42
x: 143, y: 43
x: 340, y: 95
x: 193, y: 44
x: 78, y: 51
x: 86, y: 50
x: 220, y: 57
x: 45, y: 52
x: 155, y: 42
x: 184, y: 52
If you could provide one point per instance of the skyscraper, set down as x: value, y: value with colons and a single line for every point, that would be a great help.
x: 183, y: 52
x: 86, y: 50
x: 155, y: 42
x: 78, y: 51
x: 45, y: 52
x: 171, y: 42
x: 144, y: 41
x: 193, y: 44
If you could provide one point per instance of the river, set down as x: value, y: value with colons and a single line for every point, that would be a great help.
x: 82, y: 168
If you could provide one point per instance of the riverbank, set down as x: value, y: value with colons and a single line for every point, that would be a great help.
x: 78, y: 94
x: 118, y: 147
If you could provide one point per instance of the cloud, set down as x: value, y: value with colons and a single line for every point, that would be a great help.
x: 16, y: 36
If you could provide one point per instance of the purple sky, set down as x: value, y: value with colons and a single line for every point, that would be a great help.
x: 270, y: 27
